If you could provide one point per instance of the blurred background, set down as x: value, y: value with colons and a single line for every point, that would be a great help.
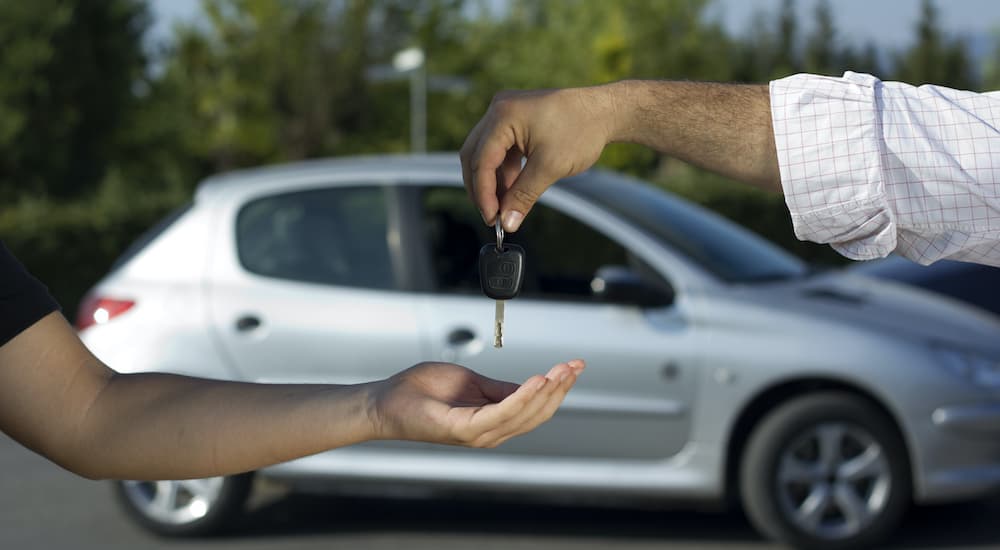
x: 112, y: 111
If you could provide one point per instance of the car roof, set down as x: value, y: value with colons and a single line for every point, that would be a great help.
x: 371, y: 165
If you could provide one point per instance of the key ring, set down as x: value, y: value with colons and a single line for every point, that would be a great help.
x: 499, y: 229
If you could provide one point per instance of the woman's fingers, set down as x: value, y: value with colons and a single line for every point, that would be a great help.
x: 524, y: 411
x: 546, y: 408
x: 496, y: 390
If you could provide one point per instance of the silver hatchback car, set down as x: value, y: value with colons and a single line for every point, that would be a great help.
x: 720, y: 368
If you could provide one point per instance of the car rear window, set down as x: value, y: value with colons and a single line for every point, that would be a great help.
x: 334, y: 236
x: 150, y: 235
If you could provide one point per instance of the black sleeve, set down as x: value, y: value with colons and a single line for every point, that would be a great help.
x: 23, y: 300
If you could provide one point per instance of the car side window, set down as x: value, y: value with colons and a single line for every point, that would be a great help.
x: 562, y: 254
x: 334, y: 236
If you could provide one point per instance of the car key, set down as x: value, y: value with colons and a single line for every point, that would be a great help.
x: 501, y: 271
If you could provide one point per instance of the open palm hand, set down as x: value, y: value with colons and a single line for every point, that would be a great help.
x: 448, y: 403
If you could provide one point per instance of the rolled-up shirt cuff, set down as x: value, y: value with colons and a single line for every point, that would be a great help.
x: 827, y: 134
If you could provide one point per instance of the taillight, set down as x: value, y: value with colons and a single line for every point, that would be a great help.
x: 97, y: 310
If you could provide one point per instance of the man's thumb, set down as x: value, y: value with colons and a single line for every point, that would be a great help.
x: 518, y: 199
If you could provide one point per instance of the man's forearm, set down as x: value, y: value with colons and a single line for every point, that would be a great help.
x: 725, y: 128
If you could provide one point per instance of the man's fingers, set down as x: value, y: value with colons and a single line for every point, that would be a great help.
x: 518, y: 199
x: 509, y: 170
x: 481, y: 189
x: 485, y: 162
x: 466, y: 153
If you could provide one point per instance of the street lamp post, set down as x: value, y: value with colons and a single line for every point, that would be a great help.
x: 411, y: 60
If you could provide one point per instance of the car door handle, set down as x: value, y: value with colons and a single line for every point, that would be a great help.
x: 461, y: 343
x: 460, y: 337
x: 247, y: 323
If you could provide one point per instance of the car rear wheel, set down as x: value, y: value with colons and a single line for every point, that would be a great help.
x: 826, y: 471
x: 185, y: 508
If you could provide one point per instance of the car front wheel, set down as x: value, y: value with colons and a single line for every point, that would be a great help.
x: 826, y: 471
x: 185, y: 508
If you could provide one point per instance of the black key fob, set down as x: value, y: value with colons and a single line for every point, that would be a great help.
x: 501, y: 271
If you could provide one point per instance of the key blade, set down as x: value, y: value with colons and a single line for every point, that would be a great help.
x: 498, y: 326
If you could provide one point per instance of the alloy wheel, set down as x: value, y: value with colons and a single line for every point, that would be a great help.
x: 174, y: 502
x: 833, y: 480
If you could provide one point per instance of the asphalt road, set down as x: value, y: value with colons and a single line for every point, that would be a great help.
x: 46, y: 507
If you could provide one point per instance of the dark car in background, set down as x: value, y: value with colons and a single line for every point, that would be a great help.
x: 975, y: 284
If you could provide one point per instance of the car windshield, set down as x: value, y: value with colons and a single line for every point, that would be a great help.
x: 722, y: 247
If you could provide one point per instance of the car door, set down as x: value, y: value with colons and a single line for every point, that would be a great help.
x: 633, y: 400
x: 305, y: 287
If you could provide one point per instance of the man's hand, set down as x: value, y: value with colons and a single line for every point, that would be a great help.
x: 725, y: 128
x: 447, y: 403
x: 558, y: 133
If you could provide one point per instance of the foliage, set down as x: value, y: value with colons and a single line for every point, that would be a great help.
x: 68, y: 72
x: 935, y: 58
x: 264, y: 82
x: 70, y: 245
x: 100, y: 134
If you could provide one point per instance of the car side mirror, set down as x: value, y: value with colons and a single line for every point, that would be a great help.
x: 621, y: 285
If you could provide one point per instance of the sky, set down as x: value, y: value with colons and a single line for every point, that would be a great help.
x: 888, y: 23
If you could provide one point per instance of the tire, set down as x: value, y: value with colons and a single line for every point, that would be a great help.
x: 826, y: 471
x: 186, y: 508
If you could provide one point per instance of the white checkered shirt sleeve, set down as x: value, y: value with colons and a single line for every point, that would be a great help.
x: 871, y: 167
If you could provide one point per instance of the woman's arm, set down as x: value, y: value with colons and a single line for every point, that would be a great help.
x: 59, y: 400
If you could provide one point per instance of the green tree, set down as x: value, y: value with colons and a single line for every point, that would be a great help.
x: 786, y: 60
x: 821, y: 53
x: 935, y: 58
x: 824, y: 54
x: 581, y: 42
x: 443, y: 29
x: 264, y: 80
x: 675, y: 40
x: 991, y: 71
x: 770, y: 48
x: 270, y: 80
x: 865, y: 60
x: 69, y: 71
